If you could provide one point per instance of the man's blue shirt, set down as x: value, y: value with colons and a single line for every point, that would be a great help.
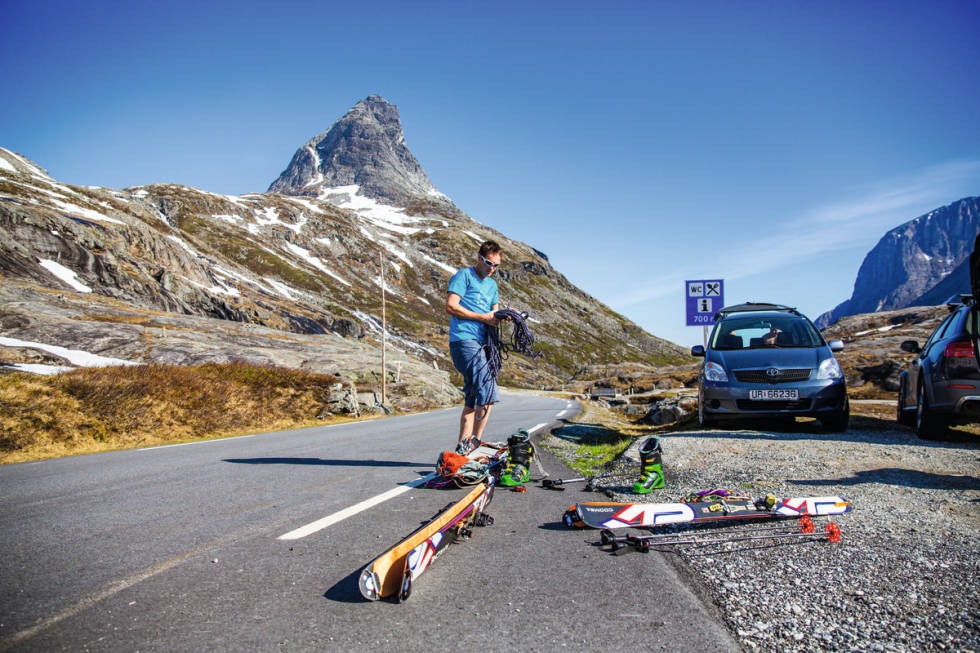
x: 476, y: 294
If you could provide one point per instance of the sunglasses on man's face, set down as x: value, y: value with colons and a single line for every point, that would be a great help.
x: 489, y: 263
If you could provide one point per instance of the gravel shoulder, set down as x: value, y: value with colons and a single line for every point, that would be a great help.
x: 903, y: 578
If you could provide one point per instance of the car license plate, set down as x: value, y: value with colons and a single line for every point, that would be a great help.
x: 781, y: 394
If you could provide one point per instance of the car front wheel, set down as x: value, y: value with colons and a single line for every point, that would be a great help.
x: 704, y: 421
x: 837, y: 421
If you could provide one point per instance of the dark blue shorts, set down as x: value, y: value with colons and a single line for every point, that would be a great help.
x: 479, y: 386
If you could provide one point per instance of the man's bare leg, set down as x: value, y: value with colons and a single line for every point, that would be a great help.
x: 481, y: 416
x: 466, y: 420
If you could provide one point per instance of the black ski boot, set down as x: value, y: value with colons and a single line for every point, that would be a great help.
x: 651, y: 467
x: 519, y: 457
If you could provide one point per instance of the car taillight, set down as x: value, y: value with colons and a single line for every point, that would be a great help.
x: 960, y: 362
x: 960, y: 349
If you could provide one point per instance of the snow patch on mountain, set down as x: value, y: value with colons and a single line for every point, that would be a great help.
x: 76, y: 357
x: 65, y: 274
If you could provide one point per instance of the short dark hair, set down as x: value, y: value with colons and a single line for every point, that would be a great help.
x: 489, y: 247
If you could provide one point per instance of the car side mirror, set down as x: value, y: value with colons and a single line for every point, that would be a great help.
x: 836, y: 345
x: 697, y: 350
x: 911, y: 346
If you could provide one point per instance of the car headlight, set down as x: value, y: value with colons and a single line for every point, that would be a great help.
x: 715, y: 372
x: 829, y: 369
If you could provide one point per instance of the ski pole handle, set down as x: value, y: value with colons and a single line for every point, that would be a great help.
x: 555, y: 484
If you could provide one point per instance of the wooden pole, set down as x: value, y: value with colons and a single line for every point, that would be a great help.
x: 384, y: 330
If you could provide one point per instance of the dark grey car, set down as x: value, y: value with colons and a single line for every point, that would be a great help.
x: 941, y: 385
x: 768, y: 360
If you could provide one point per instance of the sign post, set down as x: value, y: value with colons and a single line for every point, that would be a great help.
x: 704, y: 298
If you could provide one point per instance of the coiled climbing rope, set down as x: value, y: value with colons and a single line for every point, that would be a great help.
x: 521, y: 341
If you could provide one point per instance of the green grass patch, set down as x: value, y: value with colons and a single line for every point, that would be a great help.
x: 592, y: 458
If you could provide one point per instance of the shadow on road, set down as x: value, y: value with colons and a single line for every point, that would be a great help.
x: 325, y: 461
x: 897, y: 476
x: 870, y: 430
x: 346, y: 591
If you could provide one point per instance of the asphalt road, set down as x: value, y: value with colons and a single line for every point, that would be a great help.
x: 239, y: 544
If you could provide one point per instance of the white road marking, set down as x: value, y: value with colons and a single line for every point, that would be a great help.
x: 350, y: 511
x: 341, y: 515
x: 195, y: 442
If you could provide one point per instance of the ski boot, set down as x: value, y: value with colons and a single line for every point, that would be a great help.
x: 520, y: 454
x: 651, y: 467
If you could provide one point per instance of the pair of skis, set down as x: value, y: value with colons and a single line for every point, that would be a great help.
x: 392, y: 573
x: 610, y: 515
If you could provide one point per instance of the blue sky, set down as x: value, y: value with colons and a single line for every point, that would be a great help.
x: 638, y: 144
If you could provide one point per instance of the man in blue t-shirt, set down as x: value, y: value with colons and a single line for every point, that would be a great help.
x: 471, y: 302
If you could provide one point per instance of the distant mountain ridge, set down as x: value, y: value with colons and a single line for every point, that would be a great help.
x: 919, y: 263
x: 109, y: 271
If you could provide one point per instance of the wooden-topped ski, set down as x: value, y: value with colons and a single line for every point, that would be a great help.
x: 600, y: 514
x: 392, y: 573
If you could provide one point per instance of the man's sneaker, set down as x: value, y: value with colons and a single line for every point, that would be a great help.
x: 467, y: 444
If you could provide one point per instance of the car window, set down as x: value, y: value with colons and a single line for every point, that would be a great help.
x: 753, y: 332
x: 938, y: 333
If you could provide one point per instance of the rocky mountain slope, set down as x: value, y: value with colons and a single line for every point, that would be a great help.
x: 167, y: 273
x: 920, y: 263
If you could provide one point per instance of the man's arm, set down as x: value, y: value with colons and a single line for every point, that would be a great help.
x: 454, y: 309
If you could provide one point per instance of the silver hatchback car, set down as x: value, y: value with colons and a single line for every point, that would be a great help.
x: 768, y: 360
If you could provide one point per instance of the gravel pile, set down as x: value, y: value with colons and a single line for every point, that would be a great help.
x: 903, y: 578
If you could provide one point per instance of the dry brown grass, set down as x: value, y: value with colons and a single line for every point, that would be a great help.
x: 100, y: 409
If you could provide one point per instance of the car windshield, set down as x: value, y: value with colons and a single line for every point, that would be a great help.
x: 756, y: 332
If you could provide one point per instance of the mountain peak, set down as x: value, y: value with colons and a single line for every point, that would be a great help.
x: 365, y: 147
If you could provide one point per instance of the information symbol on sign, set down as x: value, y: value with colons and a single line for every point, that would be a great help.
x: 705, y: 297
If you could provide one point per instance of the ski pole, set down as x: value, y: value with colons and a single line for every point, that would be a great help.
x: 609, y: 536
x: 832, y: 533
x: 556, y: 484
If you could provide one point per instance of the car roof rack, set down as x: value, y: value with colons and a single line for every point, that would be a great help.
x: 754, y: 307
x: 959, y: 299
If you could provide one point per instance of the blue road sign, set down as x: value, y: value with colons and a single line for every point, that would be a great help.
x: 704, y: 298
